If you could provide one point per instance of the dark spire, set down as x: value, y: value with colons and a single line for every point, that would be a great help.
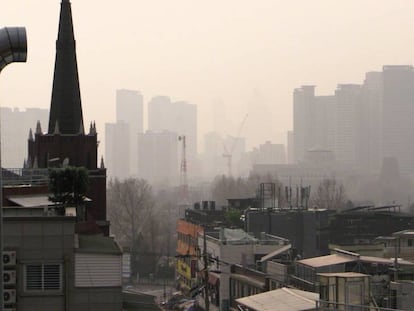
x: 38, y: 128
x: 31, y: 135
x: 66, y: 108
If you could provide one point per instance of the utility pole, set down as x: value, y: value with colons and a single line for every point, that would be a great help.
x: 184, y: 202
x: 396, y: 254
x: 205, y: 257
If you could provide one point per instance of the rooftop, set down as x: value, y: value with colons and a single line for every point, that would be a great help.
x: 239, y: 236
x: 328, y: 260
x: 342, y: 258
x: 97, y: 244
x: 286, y: 299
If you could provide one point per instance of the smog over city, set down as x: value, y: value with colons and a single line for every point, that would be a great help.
x: 169, y: 119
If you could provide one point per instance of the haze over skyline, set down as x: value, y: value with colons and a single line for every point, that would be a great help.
x: 239, y: 54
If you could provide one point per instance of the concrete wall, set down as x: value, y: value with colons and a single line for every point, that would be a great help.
x: 39, y: 241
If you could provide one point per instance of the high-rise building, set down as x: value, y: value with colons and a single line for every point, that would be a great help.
x: 213, y: 162
x: 179, y: 117
x: 269, y: 153
x: 370, y: 127
x: 130, y: 109
x: 159, y: 113
x: 175, y: 117
x: 398, y: 116
x: 313, y: 123
x: 348, y: 120
x: 290, y: 148
x: 117, y: 149
x: 15, y: 125
x: 158, y: 158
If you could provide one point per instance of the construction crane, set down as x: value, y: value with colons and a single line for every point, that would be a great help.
x: 228, y: 153
x: 184, y: 197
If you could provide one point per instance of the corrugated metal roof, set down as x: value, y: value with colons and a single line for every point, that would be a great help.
x: 385, y: 261
x: 276, y: 252
x: 34, y: 200
x: 329, y: 260
x: 344, y: 274
x: 30, y: 200
x: 282, y: 299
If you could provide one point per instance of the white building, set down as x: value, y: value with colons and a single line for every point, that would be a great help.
x: 347, y: 124
x: 234, y: 246
x: 117, y: 149
x: 15, y: 127
x: 158, y: 157
x: 398, y: 116
x: 179, y: 117
x: 313, y: 122
x: 130, y: 109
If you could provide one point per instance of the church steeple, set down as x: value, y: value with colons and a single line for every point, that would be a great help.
x: 66, y: 107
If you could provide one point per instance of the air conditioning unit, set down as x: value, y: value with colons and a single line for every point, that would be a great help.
x: 9, y: 277
x: 9, y: 258
x: 9, y: 296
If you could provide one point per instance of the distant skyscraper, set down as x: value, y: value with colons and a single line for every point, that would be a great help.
x: 370, y: 129
x: 398, y: 116
x: 117, y: 149
x: 15, y: 125
x: 348, y: 120
x: 179, y: 117
x: 213, y: 162
x: 290, y: 148
x: 269, y: 153
x: 313, y: 123
x: 159, y: 114
x: 158, y: 158
x: 130, y: 109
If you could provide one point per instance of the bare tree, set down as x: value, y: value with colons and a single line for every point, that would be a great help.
x: 330, y: 195
x: 133, y: 216
x: 130, y: 205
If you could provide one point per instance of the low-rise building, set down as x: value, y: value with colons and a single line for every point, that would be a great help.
x: 381, y: 270
x: 53, y: 268
x: 287, y: 299
x: 400, y: 243
x: 187, y: 254
x: 227, y: 247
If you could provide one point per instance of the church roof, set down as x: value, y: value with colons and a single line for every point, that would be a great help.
x: 65, y: 107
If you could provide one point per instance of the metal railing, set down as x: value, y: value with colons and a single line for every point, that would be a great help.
x: 25, y: 176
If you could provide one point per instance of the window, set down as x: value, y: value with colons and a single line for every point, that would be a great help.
x: 43, y: 277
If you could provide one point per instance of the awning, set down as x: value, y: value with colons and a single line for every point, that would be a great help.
x: 30, y: 200
x: 328, y: 260
x: 276, y: 252
x: 34, y: 200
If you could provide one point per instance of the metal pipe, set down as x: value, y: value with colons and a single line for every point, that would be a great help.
x: 13, y: 48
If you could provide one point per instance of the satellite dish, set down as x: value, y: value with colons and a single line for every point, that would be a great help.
x: 65, y: 162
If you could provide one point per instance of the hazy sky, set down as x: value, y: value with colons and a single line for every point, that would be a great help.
x: 223, y: 55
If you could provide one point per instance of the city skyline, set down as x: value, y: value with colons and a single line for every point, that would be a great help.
x: 215, y: 54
